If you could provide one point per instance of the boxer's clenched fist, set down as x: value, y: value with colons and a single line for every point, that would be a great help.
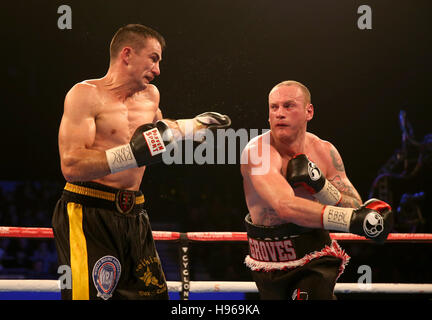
x: 146, y: 147
x: 374, y: 220
x: 303, y: 172
x: 194, y: 129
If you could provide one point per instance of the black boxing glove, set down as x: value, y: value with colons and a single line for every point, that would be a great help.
x: 303, y: 172
x: 146, y: 147
x: 373, y: 220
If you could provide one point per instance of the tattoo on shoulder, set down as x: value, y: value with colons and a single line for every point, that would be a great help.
x: 337, y: 161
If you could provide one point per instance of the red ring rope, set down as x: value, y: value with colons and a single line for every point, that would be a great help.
x: 20, y: 232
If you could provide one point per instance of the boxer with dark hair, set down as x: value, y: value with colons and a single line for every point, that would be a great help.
x: 111, y: 129
x: 293, y: 205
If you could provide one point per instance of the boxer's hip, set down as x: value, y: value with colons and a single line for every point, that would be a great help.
x: 97, y: 226
x: 92, y: 194
x: 288, y: 246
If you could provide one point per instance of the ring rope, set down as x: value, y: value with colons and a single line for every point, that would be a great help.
x: 186, y: 286
x: 227, y: 286
x: 32, y: 232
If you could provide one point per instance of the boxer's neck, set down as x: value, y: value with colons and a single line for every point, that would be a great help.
x: 119, y: 85
x: 290, y: 146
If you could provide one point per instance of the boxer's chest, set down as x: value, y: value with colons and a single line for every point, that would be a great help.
x: 312, y: 156
x: 299, y: 191
x: 118, y: 121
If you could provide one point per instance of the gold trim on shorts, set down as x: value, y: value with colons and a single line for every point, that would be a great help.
x: 94, y: 193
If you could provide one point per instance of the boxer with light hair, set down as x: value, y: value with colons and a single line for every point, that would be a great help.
x: 292, y: 207
x: 112, y: 128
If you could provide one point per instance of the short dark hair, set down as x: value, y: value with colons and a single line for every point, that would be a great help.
x: 133, y: 35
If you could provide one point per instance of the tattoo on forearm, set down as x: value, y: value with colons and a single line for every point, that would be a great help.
x: 337, y: 160
x: 271, y: 217
x: 350, y: 197
x: 348, y: 202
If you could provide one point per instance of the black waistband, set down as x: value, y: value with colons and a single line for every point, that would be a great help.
x: 97, y: 195
x: 278, y: 231
x: 302, y: 240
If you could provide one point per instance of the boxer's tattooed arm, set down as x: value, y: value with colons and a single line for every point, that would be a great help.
x: 337, y: 160
x: 350, y: 197
x: 270, y: 217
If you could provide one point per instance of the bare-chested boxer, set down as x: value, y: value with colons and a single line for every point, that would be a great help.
x: 111, y: 129
x: 304, y: 193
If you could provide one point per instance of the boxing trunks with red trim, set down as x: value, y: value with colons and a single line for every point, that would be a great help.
x: 105, y: 245
x: 288, y: 261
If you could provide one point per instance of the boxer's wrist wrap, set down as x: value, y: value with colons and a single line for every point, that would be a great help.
x: 121, y: 158
x: 336, y: 219
x: 328, y: 194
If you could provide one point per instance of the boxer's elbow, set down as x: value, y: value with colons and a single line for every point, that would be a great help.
x: 69, y: 174
x: 84, y: 166
x: 70, y: 178
x: 70, y: 168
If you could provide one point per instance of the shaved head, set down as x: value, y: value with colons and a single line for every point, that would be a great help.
x: 303, y: 88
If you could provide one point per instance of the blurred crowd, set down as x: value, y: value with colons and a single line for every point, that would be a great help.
x: 27, y: 204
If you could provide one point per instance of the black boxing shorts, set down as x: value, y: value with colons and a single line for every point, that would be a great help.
x: 104, y: 240
x: 293, y: 262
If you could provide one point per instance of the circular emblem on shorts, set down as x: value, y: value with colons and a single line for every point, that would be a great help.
x: 106, y: 274
x: 373, y: 224
x: 125, y: 201
x: 314, y: 172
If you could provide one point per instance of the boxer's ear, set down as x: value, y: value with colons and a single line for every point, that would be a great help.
x: 125, y: 55
x: 309, y: 111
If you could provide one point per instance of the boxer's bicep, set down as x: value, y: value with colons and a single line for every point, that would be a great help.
x: 77, y: 134
x: 78, y: 125
x: 272, y: 186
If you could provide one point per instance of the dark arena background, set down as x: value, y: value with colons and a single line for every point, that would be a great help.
x: 370, y: 85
